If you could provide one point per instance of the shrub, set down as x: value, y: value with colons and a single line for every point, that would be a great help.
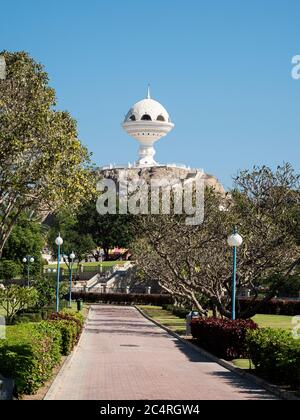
x: 10, y: 269
x: 15, y: 298
x: 46, y: 288
x: 273, y: 306
x: 70, y: 325
x: 68, y: 331
x: 28, y: 317
x: 275, y: 354
x: 29, y: 353
x: 223, y: 337
x: 124, y: 298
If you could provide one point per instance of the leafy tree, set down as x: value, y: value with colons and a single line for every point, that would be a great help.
x: 10, y: 269
x: 43, y: 165
x: 27, y: 238
x: 15, y: 298
x: 67, y: 224
x: 46, y: 289
x: 108, y: 230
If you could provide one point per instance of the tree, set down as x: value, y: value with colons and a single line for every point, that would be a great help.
x: 10, y: 269
x: 195, y: 261
x: 108, y: 230
x: 46, y: 289
x: 15, y: 298
x: 27, y: 238
x: 81, y: 243
x: 43, y: 165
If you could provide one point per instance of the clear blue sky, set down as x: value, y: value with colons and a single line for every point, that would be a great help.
x: 221, y: 68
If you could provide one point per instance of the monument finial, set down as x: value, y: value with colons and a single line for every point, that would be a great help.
x: 148, y: 92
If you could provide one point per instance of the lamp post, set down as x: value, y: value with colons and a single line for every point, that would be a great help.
x: 59, y: 241
x: 72, y: 256
x: 28, y: 259
x: 234, y: 240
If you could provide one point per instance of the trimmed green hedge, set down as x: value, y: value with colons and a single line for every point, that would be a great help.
x: 68, y: 333
x: 31, y: 351
x: 70, y: 325
x: 275, y: 354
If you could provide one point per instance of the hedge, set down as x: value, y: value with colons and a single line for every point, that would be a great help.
x: 273, y: 306
x: 224, y: 338
x: 124, y: 298
x: 29, y: 354
x: 275, y: 355
x: 70, y: 326
x: 32, y: 350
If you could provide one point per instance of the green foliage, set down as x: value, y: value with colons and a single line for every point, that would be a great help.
x: 26, y: 238
x: 15, y: 298
x: 10, y: 269
x: 29, y: 353
x: 68, y: 331
x: 70, y: 325
x: 108, y: 230
x: 81, y: 243
x: 46, y: 288
x: 275, y: 354
x: 76, y: 315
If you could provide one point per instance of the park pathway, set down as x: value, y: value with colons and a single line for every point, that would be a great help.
x: 122, y: 355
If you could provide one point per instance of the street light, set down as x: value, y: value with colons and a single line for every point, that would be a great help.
x: 234, y: 240
x: 72, y: 256
x: 59, y: 241
x: 28, y: 260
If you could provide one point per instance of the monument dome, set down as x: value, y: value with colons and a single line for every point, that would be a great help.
x: 147, y: 121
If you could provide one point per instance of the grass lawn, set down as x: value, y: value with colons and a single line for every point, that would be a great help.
x: 274, y: 321
x: 165, y: 318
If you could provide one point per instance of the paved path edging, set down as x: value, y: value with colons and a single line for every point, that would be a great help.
x: 274, y: 389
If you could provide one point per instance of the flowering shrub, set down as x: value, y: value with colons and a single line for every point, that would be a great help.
x: 223, y: 337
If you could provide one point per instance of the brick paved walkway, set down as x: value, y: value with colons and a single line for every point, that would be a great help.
x: 122, y: 355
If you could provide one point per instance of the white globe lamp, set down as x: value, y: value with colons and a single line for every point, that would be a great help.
x: 235, y: 240
x: 59, y: 240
